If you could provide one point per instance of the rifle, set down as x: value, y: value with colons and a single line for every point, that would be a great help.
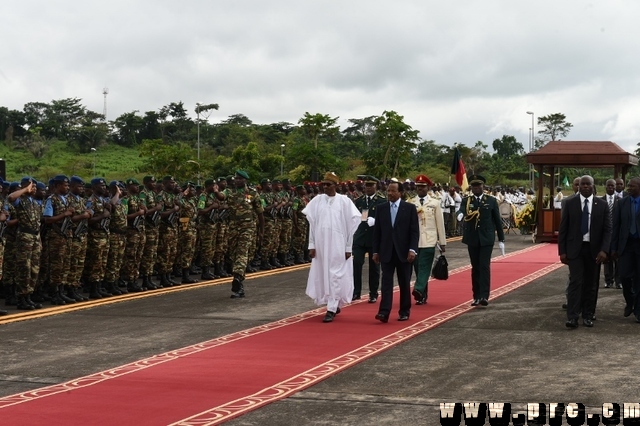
x: 213, y: 215
x: 81, y: 229
x: 154, y: 219
x: 138, y: 223
x: 289, y: 212
x: 172, y: 219
x: 223, y: 214
x: 64, y: 227
x: 3, y: 227
x: 104, y: 224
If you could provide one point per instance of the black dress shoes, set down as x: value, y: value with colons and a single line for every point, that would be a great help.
x: 572, y: 323
x: 3, y: 312
x: 484, y: 302
x: 619, y: 286
x: 475, y: 302
x: 355, y: 297
x: 373, y: 299
x: 382, y: 317
x: 417, y: 295
x: 329, y: 316
x: 628, y: 310
x: 588, y: 322
x: 403, y: 317
x: 564, y: 306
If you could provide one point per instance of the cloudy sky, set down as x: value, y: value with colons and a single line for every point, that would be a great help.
x: 458, y: 71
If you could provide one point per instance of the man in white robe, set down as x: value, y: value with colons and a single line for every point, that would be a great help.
x: 333, y: 219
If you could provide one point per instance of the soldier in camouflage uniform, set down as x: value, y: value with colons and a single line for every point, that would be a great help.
x: 269, y: 242
x: 57, y: 218
x: 300, y: 225
x: 276, y: 187
x: 222, y: 226
x: 9, y: 264
x: 117, y: 239
x: 242, y: 203
x: 284, y: 245
x: 28, y: 245
x: 78, y: 242
x: 149, y: 198
x: 187, y: 231
x: 167, y: 243
x: 98, y: 239
x: 135, y: 235
x: 207, y: 228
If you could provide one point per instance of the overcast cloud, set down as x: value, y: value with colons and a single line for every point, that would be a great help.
x: 458, y: 71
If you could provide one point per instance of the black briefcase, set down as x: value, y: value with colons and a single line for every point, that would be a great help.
x: 440, y: 270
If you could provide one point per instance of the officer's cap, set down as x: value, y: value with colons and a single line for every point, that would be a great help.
x: 477, y: 180
x: 423, y: 180
x: 370, y: 180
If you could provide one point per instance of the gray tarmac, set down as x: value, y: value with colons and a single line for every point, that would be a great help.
x: 517, y: 350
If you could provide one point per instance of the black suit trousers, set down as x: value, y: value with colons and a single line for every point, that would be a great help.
x: 629, y: 267
x: 403, y: 270
x: 480, y: 257
x: 374, y: 270
x: 581, y: 294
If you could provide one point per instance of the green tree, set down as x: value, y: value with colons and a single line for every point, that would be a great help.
x: 90, y: 132
x: 507, y: 147
x: 319, y: 130
x: 169, y: 159
x: 128, y: 127
x: 554, y: 128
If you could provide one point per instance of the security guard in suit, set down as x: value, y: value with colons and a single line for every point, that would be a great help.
x: 363, y: 239
x: 481, y: 220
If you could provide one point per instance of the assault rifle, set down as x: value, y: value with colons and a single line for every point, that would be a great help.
x: 3, y: 227
x: 154, y: 220
x: 138, y: 223
x: 65, y: 226
x: 81, y: 229
x: 104, y: 224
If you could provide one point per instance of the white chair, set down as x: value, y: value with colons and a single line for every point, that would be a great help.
x: 506, y: 214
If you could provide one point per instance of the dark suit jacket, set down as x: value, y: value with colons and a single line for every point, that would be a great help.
x: 570, y: 235
x: 402, y: 237
x: 364, y: 233
x: 489, y: 223
x: 622, y: 218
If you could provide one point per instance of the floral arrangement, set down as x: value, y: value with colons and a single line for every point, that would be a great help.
x: 526, y: 218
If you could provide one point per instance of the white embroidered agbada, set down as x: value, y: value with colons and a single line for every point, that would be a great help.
x: 332, y: 223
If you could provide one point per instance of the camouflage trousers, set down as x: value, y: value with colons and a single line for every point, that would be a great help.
x: 207, y: 233
x: 97, y: 255
x: 253, y: 245
x: 285, y: 236
x: 300, y: 236
x: 57, y: 254
x: 9, y: 264
x: 269, y: 242
x: 133, y: 254
x: 241, y: 234
x: 1, y: 256
x: 222, y: 241
x: 115, y: 257
x: 28, y: 249
x: 187, y: 243
x: 167, y: 248
x: 77, y: 253
x: 150, y: 252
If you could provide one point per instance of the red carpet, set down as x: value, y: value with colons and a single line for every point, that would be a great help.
x: 214, y: 381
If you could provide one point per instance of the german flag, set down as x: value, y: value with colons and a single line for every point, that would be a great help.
x: 457, y: 169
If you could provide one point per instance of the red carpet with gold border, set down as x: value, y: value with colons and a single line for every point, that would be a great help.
x: 214, y: 381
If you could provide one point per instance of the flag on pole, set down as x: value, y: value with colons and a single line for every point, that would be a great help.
x: 457, y: 169
x: 565, y: 181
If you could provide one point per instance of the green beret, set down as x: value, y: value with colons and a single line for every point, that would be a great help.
x: 132, y: 181
x: 264, y: 181
x: 148, y: 179
x: 168, y: 179
x: 230, y: 177
x: 242, y: 173
x: 222, y: 178
x: 209, y: 182
x: 276, y: 181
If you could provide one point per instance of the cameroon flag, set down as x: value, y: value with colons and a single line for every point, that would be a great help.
x: 457, y: 169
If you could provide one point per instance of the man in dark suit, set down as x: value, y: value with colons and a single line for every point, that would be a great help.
x: 481, y: 223
x: 395, y: 245
x: 625, y: 246
x: 611, y: 272
x: 367, y: 204
x: 583, y: 242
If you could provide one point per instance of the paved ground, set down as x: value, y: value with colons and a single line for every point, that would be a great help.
x: 517, y: 350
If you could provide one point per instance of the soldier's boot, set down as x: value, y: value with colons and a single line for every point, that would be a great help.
x: 194, y: 270
x: 274, y: 262
x: 63, y: 291
x: 222, y: 271
x: 38, y: 295
x: 250, y: 269
x: 134, y: 287
x: 177, y: 272
x: 171, y: 280
x: 185, y: 277
x: 103, y: 291
x: 76, y: 293
x: 55, y: 296
x: 22, y: 304
x: 288, y: 259
x: 93, y: 291
x: 150, y: 284
x: 265, y: 265
x: 206, y: 273
x: 72, y: 294
x: 306, y: 257
x: 121, y: 285
x: 32, y: 303
x: 112, y: 288
x: 299, y: 260
x: 237, y: 289
x: 282, y: 258
x: 164, y: 281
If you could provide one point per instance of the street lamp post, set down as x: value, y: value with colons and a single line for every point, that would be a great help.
x: 198, y: 104
x: 282, y: 160
x: 531, y: 142
x: 95, y: 153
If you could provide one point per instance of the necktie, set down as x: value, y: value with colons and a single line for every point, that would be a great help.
x: 478, y: 201
x: 394, y: 211
x: 584, y: 226
x: 610, y: 203
x: 421, y: 201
